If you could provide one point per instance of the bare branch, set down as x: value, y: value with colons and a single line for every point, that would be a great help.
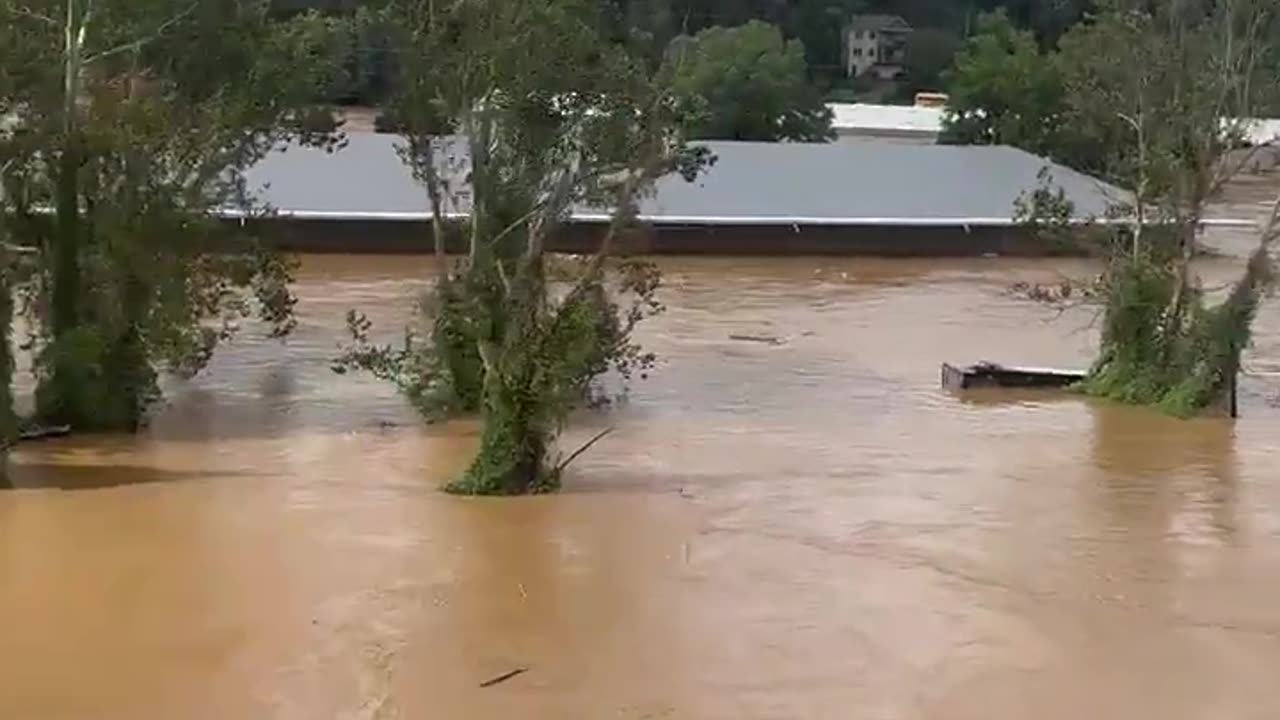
x: 139, y: 43
x: 585, y: 447
x: 552, y: 205
x: 20, y: 11
x: 424, y: 153
x: 1271, y: 229
x: 1231, y: 170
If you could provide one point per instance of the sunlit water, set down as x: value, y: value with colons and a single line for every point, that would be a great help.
x: 804, y: 530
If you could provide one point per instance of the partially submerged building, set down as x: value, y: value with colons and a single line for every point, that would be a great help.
x: 857, y: 197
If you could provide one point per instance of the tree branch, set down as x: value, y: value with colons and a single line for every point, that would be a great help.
x: 136, y: 44
x: 585, y: 447
x: 20, y: 11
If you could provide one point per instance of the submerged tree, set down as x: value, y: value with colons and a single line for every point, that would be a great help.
x: 134, y: 121
x: 514, y: 114
x: 1166, y: 90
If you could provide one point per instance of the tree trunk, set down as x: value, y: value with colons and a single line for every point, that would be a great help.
x: 61, y: 394
x: 66, y: 240
x: 8, y: 418
x: 57, y: 401
x: 511, y: 459
x: 66, y: 244
x: 129, y: 375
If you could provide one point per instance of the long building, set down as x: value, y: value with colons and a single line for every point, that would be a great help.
x: 855, y: 197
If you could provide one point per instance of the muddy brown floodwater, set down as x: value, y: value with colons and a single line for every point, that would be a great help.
x: 807, y: 530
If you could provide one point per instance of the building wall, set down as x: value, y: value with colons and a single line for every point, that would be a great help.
x: 885, y: 52
x: 412, y: 237
x: 913, y: 137
x: 861, y: 51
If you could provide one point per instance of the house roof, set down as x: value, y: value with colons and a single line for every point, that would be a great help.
x: 878, y: 22
x: 860, y: 182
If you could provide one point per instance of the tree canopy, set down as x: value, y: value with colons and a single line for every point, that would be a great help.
x: 819, y: 25
x: 1161, y: 93
x: 747, y: 83
x: 134, y: 121
x: 1003, y: 90
x: 550, y: 113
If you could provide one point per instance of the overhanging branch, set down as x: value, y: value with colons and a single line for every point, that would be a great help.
x: 139, y: 43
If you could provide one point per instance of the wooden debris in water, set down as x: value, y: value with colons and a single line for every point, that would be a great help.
x: 992, y: 375
x: 765, y: 339
x: 503, y: 677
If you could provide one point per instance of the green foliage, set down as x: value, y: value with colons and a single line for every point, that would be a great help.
x: 820, y: 26
x: 1157, y: 94
x: 747, y: 83
x: 529, y: 393
x: 8, y: 416
x: 1155, y: 89
x: 551, y: 112
x: 134, y: 133
x: 1004, y: 91
x: 1183, y: 363
x: 1101, y: 102
x: 437, y: 365
x: 931, y: 52
x: 648, y: 27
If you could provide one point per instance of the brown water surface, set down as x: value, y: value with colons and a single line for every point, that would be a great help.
x: 807, y: 530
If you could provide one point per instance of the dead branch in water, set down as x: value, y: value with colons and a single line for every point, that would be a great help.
x: 764, y: 339
x: 585, y: 447
x: 503, y: 677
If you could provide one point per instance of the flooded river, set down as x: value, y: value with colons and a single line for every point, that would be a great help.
x: 807, y: 530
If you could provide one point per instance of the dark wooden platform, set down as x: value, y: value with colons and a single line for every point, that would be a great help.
x: 991, y: 375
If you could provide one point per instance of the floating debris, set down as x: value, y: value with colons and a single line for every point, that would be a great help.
x: 764, y: 339
x: 503, y: 677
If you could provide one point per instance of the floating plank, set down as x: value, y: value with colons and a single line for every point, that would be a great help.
x: 992, y: 375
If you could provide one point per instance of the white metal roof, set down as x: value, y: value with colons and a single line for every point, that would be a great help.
x: 868, y: 117
x: 852, y: 117
x: 1263, y: 131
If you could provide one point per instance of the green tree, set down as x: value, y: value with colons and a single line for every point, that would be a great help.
x: 1046, y: 19
x: 1004, y: 91
x: 549, y: 114
x: 135, y: 121
x: 1160, y: 88
x: 15, y: 63
x: 930, y: 54
x: 747, y: 83
x: 820, y: 26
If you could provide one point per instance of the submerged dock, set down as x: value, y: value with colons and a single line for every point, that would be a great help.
x: 993, y: 375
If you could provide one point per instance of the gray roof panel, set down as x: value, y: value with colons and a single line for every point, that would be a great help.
x: 850, y: 183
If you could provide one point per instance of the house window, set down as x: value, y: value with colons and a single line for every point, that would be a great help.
x: 872, y: 34
x: 857, y: 52
x: 857, y: 34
